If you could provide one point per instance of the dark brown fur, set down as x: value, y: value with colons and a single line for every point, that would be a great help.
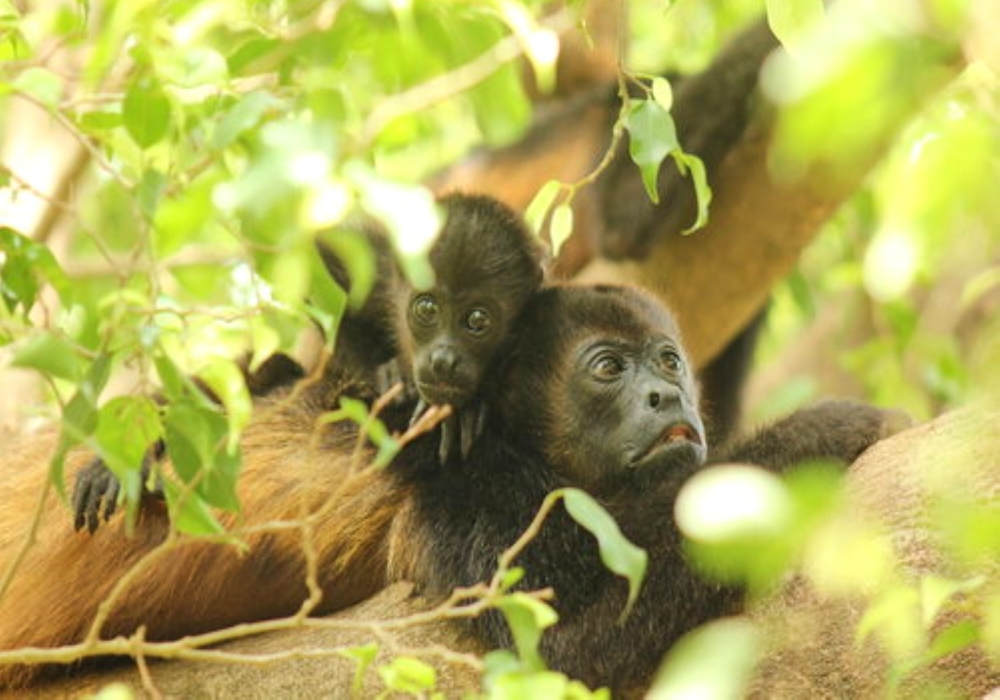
x: 465, y: 518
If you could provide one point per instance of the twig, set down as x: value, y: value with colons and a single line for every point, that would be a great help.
x: 29, y: 539
x: 446, y: 85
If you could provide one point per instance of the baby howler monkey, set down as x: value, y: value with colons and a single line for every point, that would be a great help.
x: 486, y: 265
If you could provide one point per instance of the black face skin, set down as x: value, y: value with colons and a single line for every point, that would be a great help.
x: 486, y: 265
x: 641, y: 394
x: 455, y: 338
x: 610, y: 359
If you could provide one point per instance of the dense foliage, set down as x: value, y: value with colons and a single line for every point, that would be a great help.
x: 167, y: 165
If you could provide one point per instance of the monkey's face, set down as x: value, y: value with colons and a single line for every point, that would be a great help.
x: 603, y: 383
x: 455, y: 336
x: 631, y: 408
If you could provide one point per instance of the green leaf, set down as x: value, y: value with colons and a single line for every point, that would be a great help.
x: 41, y: 85
x: 540, y: 205
x: 562, y: 226
x: 355, y: 253
x: 127, y: 426
x: 374, y: 429
x: 618, y: 554
x: 24, y: 264
x: 408, y: 675
x: 789, y: 18
x: 79, y: 418
x: 241, y: 117
x: 652, y: 137
x: 951, y: 639
x: 713, y: 661
x: 527, y: 618
x: 363, y: 657
x: 538, y: 685
x: 52, y: 355
x: 936, y: 591
x: 146, y: 112
x: 663, y: 93
x: 225, y: 379
x: 189, y: 513
x: 688, y: 163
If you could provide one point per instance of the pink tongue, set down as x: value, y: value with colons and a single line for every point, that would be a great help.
x: 680, y: 432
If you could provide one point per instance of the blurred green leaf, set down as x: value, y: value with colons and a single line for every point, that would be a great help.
x: 408, y: 675
x: 789, y: 18
x: 363, y: 656
x: 51, y: 354
x: 562, y: 227
x: 25, y: 264
x: 225, y: 380
x: 41, y: 85
x: 189, y: 513
x: 538, y: 210
x: 79, y: 418
x: 242, y: 116
x: 715, y: 660
x: 146, y: 112
x: 692, y: 165
x: 527, y: 619
x: 652, y: 137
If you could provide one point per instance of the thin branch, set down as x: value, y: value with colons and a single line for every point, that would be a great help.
x: 83, y: 140
x: 29, y: 539
x: 455, y: 82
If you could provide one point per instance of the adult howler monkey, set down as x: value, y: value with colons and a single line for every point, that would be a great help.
x: 595, y: 391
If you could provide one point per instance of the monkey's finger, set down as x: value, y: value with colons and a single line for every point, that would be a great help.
x: 421, y: 407
x: 81, y: 495
x: 111, y: 497
x: 474, y: 421
x: 467, y: 420
x: 449, y: 428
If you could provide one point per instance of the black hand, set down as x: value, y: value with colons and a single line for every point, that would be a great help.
x: 95, y: 486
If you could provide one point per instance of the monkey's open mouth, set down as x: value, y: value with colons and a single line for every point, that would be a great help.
x: 676, y: 435
x: 678, y: 432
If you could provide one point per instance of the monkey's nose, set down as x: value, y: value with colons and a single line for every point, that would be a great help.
x: 444, y: 361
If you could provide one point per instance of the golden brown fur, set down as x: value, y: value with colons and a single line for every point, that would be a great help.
x: 290, y: 469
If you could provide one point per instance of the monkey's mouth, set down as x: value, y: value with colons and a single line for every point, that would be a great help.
x: 439, y: 394
x: 677, y: 436
x: 678, y: 432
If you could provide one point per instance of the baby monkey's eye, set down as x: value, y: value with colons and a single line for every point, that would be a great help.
x: 425, y: 309
x: 478, y: 321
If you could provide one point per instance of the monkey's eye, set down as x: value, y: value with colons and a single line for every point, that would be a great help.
x: 671, y: 361
x: 607, y: 366
x: 425, y: 309
x: 478, y: 321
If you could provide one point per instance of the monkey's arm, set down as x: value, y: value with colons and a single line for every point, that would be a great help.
x: 838, y: 430
x: 96, y: 489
